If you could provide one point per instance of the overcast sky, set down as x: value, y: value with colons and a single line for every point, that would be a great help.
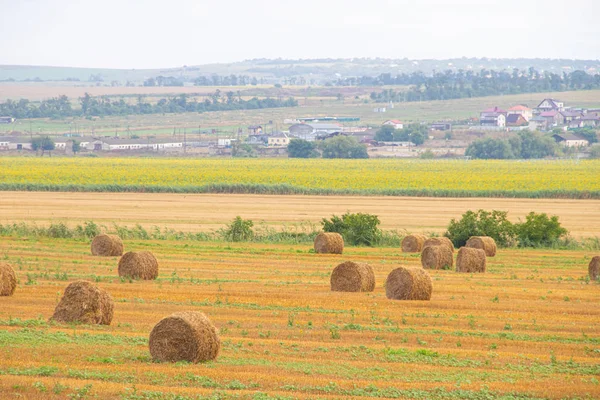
x: 153, y: 33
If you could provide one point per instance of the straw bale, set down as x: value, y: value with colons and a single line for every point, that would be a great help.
x: 352, y: 277
x: 408, y: 283
x: 8, y: 280
x: 594, y: 268
x: 185, y: 336
x: 439, y: 241
x: 470, y: 260
x: 107, y: 245
x: 140, y: 265
x: 413, y: 243
x: 484, y: 243
x: 329, y: 242
x: 85, y: 303
x: 437, y: 257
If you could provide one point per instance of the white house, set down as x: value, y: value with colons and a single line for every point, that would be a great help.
x: 397, y: 124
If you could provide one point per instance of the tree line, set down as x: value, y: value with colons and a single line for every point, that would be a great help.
x: 61, y: 107
x: 464, y: 84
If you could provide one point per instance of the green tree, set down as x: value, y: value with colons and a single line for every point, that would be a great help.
x: 539, y: 230
x: 299, y: 148
x: 343, y: 147
x: 47, y: 145
x: 481, y: 223
x: 76, y: 146
x: 385, y: 133
x: 490, y: 149
x: 242, y: 150
x: 357, y: 229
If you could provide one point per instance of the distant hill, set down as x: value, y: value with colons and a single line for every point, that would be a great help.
x: 279, y: 70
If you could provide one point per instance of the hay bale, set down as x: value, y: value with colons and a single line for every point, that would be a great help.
x: 85, y: 303
x: 439, y: 241
x: 470, y: 260
x: 484, y: 243
x: 107, y: 245
x: 352, y: 277
x: 185, y: 336
x: 413, y: 243
x: 594, y: 268
x: 408, y: 283
x: 437, y: 257
x: 8, y: 280
x: 141, y: 265
x: 329, y: 242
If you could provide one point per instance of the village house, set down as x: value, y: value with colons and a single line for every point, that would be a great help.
x: 520, y: 109
x: 591, y: 120
x: 550, y: 105
x: 255, y: 130
x: 553, y: 118
x: 570, y: 140
x: 258, y: 139
x: 538, y: 124
x: 279, y: 140
x: 493, y: 117
x: 568, y: 116
x: 397, y: 124
x: 516, y: 120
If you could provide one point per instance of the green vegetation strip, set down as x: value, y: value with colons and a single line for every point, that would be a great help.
x: 284, y: 189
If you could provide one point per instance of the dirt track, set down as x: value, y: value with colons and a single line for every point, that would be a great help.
x: 205, y: 212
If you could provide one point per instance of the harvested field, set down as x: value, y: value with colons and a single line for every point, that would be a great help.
x: 283, y: 332
x: 206, y: 212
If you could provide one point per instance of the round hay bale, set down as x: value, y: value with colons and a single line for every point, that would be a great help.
x: 107, y: 245
x: 352, y: 277
x: 594, y: 268
x: 141, y: 265
x: 439, y: 241
x: 484, y: 243
x: 85, y: 303
x: 437, y: 257
x: 410, y: 283
x: 470, y: 260
x: 413, y: 243
x: 185, y: 336
x: 329, y: 242
x: 8, y: 280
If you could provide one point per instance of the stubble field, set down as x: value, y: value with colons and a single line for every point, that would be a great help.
x: 528, y: 328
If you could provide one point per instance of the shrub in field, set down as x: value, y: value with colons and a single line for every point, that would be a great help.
x: 357, y: 229
x: 481, y: 223
x: 299, y: 148
x: 239, y: 230
x: 539, y: 230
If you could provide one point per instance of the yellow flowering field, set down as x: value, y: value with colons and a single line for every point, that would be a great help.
x: 541, y: 178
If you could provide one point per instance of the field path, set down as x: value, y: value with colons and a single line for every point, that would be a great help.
x: 206, y: 212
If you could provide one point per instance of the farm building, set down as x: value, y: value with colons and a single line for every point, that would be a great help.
x: 279, y: 140
x: 440, y: 126
x: 397, y: 124
x: 570, y: 140
x: 311, y: 131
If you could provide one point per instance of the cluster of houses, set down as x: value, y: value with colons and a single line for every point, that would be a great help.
x: 549, y: 114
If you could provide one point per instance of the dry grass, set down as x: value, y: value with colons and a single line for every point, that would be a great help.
x: 193, y: 213
x: 283, y: 332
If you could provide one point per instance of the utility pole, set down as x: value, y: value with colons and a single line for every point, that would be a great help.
x: 184, y: 140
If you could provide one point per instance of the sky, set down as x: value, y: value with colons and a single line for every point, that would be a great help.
x: 157, y: 34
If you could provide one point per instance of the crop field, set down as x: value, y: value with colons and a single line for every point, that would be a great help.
x: 526, y: 329
x: 442, y: 178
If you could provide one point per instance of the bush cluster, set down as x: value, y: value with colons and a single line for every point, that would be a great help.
x: 536, y: 231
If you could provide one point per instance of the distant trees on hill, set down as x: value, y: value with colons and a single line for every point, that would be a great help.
x: 60, y: 107
x: 463, y: 84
